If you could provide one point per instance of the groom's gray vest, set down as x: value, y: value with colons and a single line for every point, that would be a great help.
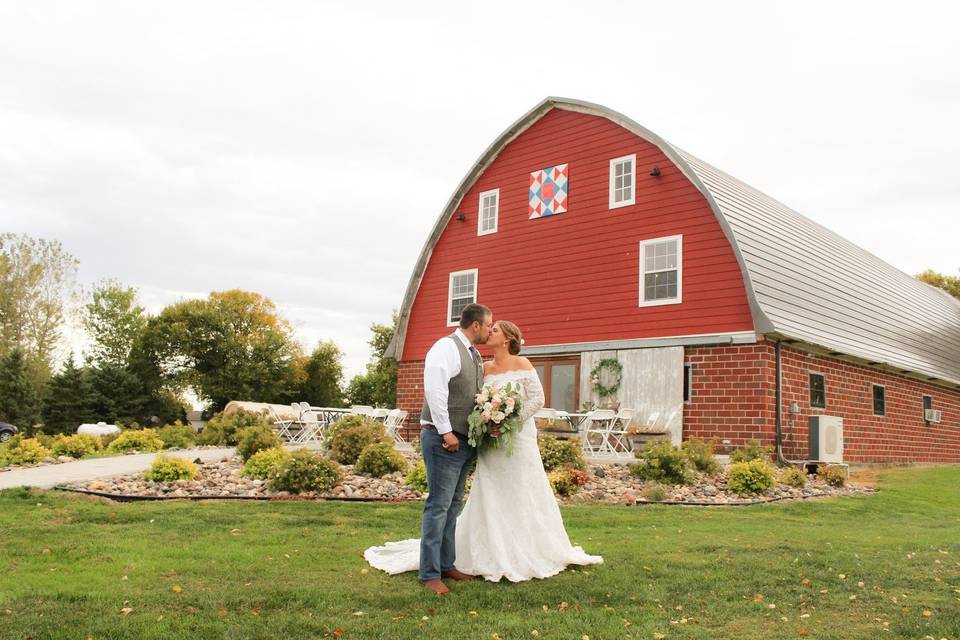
x: 463, y: 388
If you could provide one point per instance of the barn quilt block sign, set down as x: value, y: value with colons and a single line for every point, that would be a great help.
x: 548, y: 191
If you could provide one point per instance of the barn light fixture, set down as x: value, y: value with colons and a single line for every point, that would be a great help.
x: 461, y: 217
x: 655, y: 171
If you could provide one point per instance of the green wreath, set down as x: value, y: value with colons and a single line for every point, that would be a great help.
x: 615, y: 368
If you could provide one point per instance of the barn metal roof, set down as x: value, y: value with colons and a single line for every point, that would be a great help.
x: 804, y: 282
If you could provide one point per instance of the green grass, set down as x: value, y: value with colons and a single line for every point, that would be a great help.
x: 295, y: 570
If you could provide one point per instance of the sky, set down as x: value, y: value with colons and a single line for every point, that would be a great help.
x: 304, y: 150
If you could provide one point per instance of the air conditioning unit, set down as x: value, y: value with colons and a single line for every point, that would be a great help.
x: 931, y: 415
x: 826, y: 438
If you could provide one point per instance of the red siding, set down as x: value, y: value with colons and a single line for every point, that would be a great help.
x: 575, y: 277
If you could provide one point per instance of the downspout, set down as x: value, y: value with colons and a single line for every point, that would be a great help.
x: 778, y: 423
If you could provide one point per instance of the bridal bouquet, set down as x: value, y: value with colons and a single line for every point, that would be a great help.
x: 496, y: 407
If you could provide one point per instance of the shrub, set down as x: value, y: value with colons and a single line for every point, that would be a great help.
x: 557, y: 453
x: 347, y: 443
x: 700, y: 454
x: 754, y: 476
x: 305, y: 471
x: 793, y: 477
x: 107, y: 439
x: 663, y: 462
x: 417, y: 478
x: 45, y: 439
x: 75, y: 446
x: 265, y: 464
x: 834, y: 475
x: 655, y: 493
x: 177, y: 435
x: 170, y: 469
x: 753, y: 450
x: 222, y: 430
x: 136, y: 440
x: 348, y: 421
x: 379, y: 459
x: 567, y: 481
x: 250, y: 440
x: 25, y: 451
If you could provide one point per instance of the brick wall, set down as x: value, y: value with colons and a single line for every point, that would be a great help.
x: 733, y: 398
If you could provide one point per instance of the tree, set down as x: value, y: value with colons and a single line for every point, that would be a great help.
x: 950, y: 284
x: 231, y: 346
x: 68, y: 402
x: 114, y: 320
x: 324, y: 376
x: 378, y: 386
x: 19, y: 403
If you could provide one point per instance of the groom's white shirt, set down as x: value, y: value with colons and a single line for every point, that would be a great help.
x: 441, y: 364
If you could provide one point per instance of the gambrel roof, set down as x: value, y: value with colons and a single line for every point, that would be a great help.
x: 804, y: 282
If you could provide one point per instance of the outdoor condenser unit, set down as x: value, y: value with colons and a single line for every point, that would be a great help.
x: 826, y: 438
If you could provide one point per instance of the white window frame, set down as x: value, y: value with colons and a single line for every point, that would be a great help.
x: 476, y: 284
x: 496, y: 213
x: 679, y: 298
x: 633, y: 181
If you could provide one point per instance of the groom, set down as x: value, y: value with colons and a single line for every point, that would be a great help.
x: 452, y: 377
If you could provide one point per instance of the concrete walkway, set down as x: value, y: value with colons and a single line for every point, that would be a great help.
x: 97, y: 468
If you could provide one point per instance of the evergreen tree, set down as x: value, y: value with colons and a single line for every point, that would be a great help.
x: 19, y: 404
x: 324, y: 377
x: 68, y: 400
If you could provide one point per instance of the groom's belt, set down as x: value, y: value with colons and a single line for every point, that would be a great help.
x: 433, y: 427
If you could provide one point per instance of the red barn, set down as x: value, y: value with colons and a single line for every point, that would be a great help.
x: 731, y: 315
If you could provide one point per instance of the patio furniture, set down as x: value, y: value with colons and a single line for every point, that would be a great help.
x: 393, y: 423
x: 596, y: 434
x: 617, y: 434
x: 555, y: 417
x: 379, y: 415
x: 361, y: 410
x: 282, y: 424
x: 311, y: 428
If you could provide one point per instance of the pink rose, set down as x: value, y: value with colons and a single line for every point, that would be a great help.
x: 485, y: 416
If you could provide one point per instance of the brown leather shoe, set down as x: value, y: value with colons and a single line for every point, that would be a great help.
x: 453, y: 574
x: 436, y: 585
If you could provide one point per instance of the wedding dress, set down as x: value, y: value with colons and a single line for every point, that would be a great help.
x: 510, y: 526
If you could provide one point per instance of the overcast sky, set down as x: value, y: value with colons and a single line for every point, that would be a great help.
x: 303, y: 150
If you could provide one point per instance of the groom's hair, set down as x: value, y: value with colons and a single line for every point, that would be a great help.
x: 473, y: 312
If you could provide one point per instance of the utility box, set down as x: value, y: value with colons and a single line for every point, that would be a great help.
x: 826, y: 438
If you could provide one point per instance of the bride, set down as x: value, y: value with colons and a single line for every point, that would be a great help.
x: 510, y: 526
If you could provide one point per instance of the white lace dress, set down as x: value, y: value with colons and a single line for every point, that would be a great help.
x: 510, y: 526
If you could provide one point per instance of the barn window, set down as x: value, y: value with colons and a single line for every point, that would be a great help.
x: 489, y: 212
x: 927, y: 406
x: 622, y: 179
x: 687, y: 382
x: 560, y: 378
x: 463, y: 291
x: 661, y: 269
x: 818, y: 391
x: 879, y: 400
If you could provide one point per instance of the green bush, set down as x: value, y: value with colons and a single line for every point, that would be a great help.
x: 136, y: 440
x: 379, y: 459
x: 348, y: 421
x: 662, y: 461
x: 75, y: 446
x: 567, y: 481
x: 417, y: 478
x: 177, y: 435
x: 20, y: 450
x: 557, y: 453
x: 347, y: 443
x: 834, y: 475
x: 222, y: 430
x: 45, y: 439
x: 754, y: 476
x: 170, y: 468
x: 700, y: 454
x: 305, y: 471
x: 655, y: 493
x: 107, y: 439
x: 793, y: 477
x: 265, y: 464
x: 753, y: 450
x: 251, y: 440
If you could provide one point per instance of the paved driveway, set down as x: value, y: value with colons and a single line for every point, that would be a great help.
x: 49, y: 475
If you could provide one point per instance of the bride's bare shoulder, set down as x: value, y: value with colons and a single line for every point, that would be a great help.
x: 523, y: 363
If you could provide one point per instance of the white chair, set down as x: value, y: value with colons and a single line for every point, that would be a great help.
x: 361, y: 410
x: 393, y: 423
x: 311, y: 428
x: 597, y: 427
x: 617, y: 435
x: 282, y: 424
x: 379, y: 414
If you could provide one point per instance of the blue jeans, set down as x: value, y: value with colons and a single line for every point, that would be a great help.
x: 446, y: 478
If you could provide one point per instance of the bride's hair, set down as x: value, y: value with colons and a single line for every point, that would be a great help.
x: 512, y: 333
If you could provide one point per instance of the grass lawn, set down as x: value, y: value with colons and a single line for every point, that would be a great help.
x: 71, y: 567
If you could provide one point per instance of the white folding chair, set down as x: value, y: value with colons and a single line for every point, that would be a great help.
x: 598, y: 423
x: 617, y: 436
x: 393, y: 422
x: 311, y: 428
x: 361, y: 410
x: 379, y: 414
x: 282, y: 424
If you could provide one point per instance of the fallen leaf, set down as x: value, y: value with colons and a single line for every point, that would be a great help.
x: 927, y: 613
x: 535, y: 633
x: 563, y: 606
x: 337, y: 632
x: 45, y: 552
x: 222, y: 612
x: 126, y: 610
x: 659, y: 636
x: 803, y: 633
x: 358, y: 613
x: 757, y: 597
x: 860, y: 584
x: 472, y: 614
x: 364, y: 571
x: 235, y: 532
x: 546, y: 608
x: 842, y: 576
x: 176, y: 588
x: 853, y: 597
x: 805, y: 582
